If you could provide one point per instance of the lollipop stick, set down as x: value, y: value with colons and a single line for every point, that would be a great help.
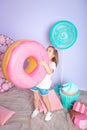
x: 62, y: 67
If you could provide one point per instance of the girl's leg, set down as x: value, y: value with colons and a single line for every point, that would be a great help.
x: 46, y: 102
x: 36, y: 104
x: 36, y: 99
x: 49, y: 115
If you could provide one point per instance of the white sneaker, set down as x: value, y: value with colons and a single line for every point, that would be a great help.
x: 48, y: 116
x: 35, y: 113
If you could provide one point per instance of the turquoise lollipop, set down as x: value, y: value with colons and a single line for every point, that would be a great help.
x: 63, y: 34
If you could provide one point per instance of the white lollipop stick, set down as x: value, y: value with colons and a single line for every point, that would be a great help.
x: 62, y: 67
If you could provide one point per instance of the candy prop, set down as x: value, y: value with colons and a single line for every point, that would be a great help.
x: 21, y: 55
x: 63, y: 35
x: 5, y: 42
x: 5, y: 85
x: 68, y: 100
x: 30, y: 64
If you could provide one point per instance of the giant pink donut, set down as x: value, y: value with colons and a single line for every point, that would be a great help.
x: 17, y: 55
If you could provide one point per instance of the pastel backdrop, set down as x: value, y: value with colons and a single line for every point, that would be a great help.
x: 32, y: 19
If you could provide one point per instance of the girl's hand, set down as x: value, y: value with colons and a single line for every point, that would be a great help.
x: 46, y: 66
x: 42, y: 63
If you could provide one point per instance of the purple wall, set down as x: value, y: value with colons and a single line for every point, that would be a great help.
x: 32, y: 19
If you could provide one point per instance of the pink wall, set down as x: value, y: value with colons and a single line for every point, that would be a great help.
x: 32, y: 19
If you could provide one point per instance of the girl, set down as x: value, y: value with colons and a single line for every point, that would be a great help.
x: 43, y: 88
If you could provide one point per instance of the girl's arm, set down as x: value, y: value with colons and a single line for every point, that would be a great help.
x: 47, y: 67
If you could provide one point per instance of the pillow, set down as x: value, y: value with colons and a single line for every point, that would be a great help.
x: 54, y: 102
x: 5, y: 114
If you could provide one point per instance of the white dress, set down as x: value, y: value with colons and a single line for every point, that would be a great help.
x: 46, y: 82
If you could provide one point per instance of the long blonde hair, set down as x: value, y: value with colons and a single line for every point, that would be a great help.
x: 56, y: 57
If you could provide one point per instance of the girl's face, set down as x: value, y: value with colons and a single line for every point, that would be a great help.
x: 50, y: 52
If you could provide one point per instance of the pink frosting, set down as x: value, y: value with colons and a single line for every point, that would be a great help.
x: 18, y: 55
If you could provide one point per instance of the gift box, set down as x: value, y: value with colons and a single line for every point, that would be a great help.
x: 80, y: 121
x: 80, y: 108
x: 72, y: 114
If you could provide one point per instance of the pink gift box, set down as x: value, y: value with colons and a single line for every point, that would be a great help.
x: 80, y: 121
x: 80, y: 108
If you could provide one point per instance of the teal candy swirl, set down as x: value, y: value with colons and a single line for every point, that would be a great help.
x: 63, y: 34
